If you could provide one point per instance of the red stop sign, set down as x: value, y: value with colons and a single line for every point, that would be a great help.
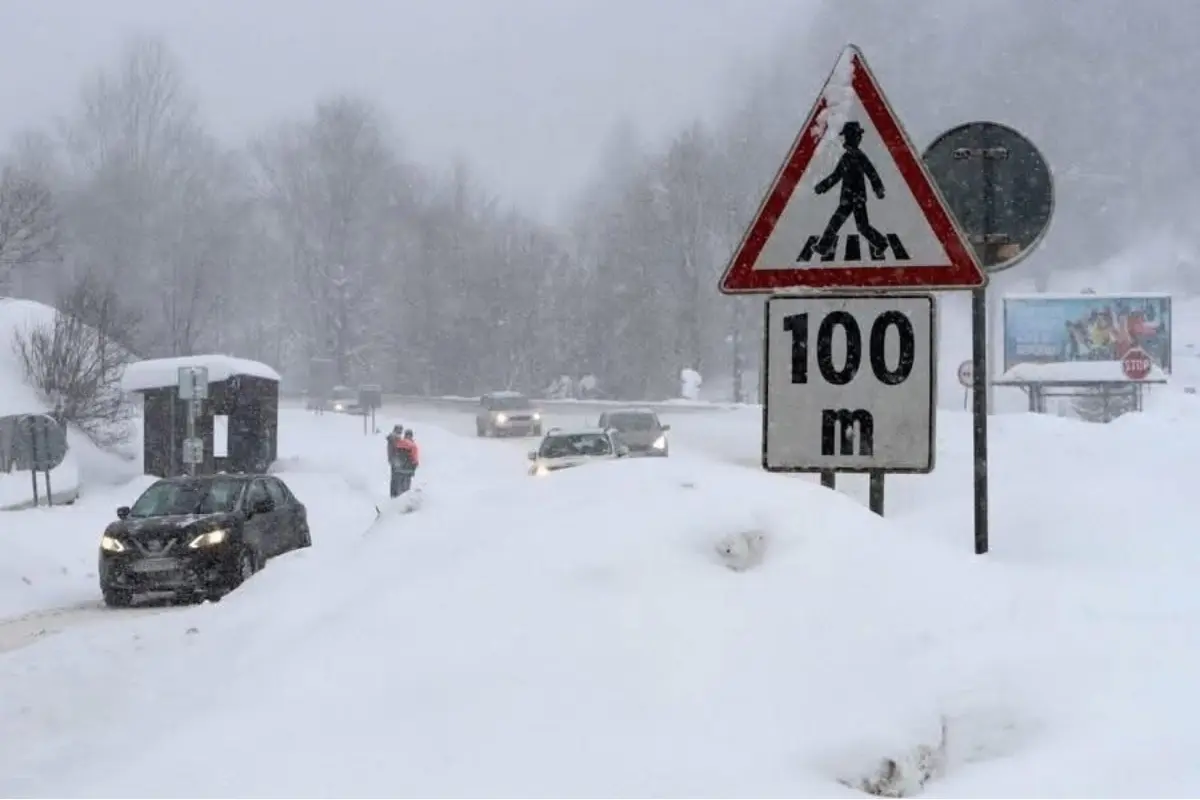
x: 1136, y: 364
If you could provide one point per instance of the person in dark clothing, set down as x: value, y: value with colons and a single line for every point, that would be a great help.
x: 853, y: 171
x: 403, y: 457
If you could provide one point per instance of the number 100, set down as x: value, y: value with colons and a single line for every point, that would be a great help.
x: 797, y: 326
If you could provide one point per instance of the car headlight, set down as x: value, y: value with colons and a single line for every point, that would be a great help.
x: 208, y: 539
x: 660, y: 443
x: 338, y: 407
x: 540, y: 470
x: 111, y: 544
x: 502, y: 418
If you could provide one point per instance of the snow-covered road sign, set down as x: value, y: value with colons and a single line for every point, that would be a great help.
x: 853, y: 206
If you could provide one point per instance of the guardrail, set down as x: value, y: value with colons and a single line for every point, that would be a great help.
x: 466, y: 404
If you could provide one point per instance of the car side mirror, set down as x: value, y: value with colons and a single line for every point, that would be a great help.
x: 532, y: 455
x: 665, y: 428
x: 122, y: 512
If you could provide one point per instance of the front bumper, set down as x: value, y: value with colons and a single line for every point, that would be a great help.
x: 516, y: 427
x: 188, y: 570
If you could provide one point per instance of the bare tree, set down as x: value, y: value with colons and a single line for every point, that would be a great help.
x: 29, y: 223
x: 330, y: 184
x: 76, y: 360
x: 154, y: 199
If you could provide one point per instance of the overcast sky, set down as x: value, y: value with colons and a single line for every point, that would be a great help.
x: 525, y: 89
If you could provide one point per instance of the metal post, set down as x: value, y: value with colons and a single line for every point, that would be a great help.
x: 875, y: 496
x: 979, y: 357
x: 33, y: 460
x: 829, y: 479
x: 191, y: 434
x: 46, y: 461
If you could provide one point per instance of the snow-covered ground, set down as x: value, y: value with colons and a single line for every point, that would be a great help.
x: 687, y: 626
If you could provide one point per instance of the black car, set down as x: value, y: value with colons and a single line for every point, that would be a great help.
x: 199, y: 537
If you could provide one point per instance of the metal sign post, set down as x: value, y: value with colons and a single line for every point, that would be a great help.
x: 1001, y: 191
x: 370, y: 398
x: 193, y: 389
x: 42, y: 443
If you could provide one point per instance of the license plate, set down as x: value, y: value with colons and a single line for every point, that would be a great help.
x: 156, y: 565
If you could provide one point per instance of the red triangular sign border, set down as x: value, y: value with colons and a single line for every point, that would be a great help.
x: 963, y: 271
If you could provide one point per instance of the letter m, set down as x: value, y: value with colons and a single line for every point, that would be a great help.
x: 845, y: 426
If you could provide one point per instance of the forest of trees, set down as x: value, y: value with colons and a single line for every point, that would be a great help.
x: 320, y: 238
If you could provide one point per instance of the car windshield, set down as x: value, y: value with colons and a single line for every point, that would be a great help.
x: 508, y: 403
x: 187, y: 497
x: 632, y: 421
x: 343, y: 393
x: 577, y: 444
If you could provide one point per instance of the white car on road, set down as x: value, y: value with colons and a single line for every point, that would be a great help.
x: 561, y: 449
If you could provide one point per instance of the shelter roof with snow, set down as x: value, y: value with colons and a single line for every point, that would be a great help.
x: 1073, y: 373
x: 158, y: 373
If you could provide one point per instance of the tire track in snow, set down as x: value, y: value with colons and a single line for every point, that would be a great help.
x: 26, y: 629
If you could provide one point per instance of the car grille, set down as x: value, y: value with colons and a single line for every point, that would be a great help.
x: 156, y: 546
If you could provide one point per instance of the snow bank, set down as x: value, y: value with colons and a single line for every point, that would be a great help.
x: 668, y: 628
x: 85, y: 464
x: 156, y: 373
x: 50, y: 553
x: 558, y: 643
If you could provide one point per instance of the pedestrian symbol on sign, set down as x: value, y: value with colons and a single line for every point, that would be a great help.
x: 853, y: 170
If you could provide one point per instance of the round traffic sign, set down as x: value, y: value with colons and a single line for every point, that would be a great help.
x: 968, y: 160
x: 1136, y: 364
x: 966, y: 373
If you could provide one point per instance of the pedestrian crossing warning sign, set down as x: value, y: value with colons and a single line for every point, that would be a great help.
x: 853, y: 206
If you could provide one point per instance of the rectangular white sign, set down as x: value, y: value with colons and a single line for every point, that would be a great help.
x: 851, y: 383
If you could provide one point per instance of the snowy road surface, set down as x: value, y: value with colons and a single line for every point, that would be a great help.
x: 586, y: 634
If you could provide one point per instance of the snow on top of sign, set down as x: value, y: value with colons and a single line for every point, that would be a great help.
x: 1075, y: 371
x: 161, y: 372
x: 839, y: 99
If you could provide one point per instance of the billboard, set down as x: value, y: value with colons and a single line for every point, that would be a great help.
x: 1051, y: 328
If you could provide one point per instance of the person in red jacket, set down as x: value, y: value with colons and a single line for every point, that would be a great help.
x: 404, y: 457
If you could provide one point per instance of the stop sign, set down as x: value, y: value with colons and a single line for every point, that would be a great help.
x: 1136, y: 364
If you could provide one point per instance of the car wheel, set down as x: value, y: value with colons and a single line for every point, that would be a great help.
x: 246, y: 567
x: 117, y: 598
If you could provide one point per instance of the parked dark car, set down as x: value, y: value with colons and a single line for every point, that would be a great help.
x: 640, y: 429
x: 199, y: 537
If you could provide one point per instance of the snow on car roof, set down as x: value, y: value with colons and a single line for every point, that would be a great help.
x: 158, y: 373
x: 505, y: 393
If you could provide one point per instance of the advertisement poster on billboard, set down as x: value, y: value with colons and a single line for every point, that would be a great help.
x: 1051, y: 328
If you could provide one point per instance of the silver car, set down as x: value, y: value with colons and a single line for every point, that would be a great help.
x: 639, y: 429
x: 507, y: 414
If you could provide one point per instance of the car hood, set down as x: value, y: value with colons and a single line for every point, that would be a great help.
x: 157, y: 526
x: 565, y: 462
x: 639, y: 438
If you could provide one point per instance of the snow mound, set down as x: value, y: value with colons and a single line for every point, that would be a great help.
x: 577, y: 633
x: 85, y: 464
